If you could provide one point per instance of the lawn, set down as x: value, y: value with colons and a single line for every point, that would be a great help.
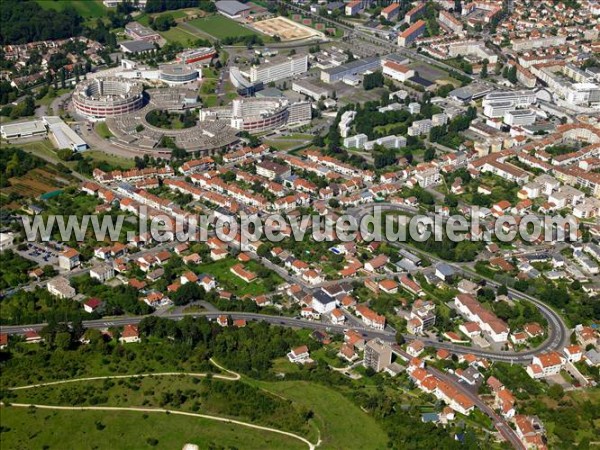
x: 103, y: 131
x: 88, y: 9
x: 229, y: 281
x: 342, y: 424
x: 221, y: 27
x: 178, y: 34
x: 25, y: 428
x: 283, y: 145
x: 43, y: 149
x: 113, y: 160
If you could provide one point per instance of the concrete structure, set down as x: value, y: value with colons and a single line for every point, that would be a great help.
x: 378, y: 355
x: 202, y: 54
x: 136, y: 46
x: 312, y: 88
x: 62, y: 135
x: 106, y: 97
x: 408, y: 36
x: 278, y: 70
x: 139, y: 32
x: 353, y: 68
x: 178, y: 73
x: 23, y: 129
x: 496, y: 104
x: 102, y: 272
x: 260, y: 114
x: 519, y: 117
x: 398, y: 72
x: 232, y: 9
x: 61, y: 288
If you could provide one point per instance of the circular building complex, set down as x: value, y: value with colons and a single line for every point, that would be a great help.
x: 108, y: 97
x: 178, y: 74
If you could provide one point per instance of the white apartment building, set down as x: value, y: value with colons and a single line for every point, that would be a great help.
x: 545, y: 364
x: 548, y: 41
x: 357, y: 141
x: 292, y: 66
x: 420, y: 127
x: 519, y: 117
x: 496, y: 104
x: 102, y: 272
x: 61, y: 288
x: 345, y: 122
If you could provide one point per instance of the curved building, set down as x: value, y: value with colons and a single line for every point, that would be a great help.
x: 107, y: 97
x: 260, y: 114
x: 178, y: 74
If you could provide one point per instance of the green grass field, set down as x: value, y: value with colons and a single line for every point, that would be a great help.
x: 229, y: 281
x: 342, y: 424
x: 88, y: 9
x: 103, y: 131
x: 97, y: 155
x: 221, y: 27
x: 25, y: 428
x: 178, y: 34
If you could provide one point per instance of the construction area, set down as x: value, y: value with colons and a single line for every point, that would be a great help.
x: 286, y: 29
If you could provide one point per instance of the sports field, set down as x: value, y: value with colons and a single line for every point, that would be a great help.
x: 88, y: 9
x: 221, y: 27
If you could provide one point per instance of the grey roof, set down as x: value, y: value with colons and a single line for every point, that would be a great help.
x: 353, y: 65
x: 445, y: 269
x: 231, y: 7
x: 137, y: 46
x: 322, y: 297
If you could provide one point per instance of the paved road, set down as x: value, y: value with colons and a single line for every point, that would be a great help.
x: 558, y: 332
x: 499, y: 422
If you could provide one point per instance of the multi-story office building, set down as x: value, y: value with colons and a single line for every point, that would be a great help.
x: 274, y: 71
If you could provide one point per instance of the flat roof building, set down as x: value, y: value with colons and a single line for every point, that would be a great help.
x: 136, y: 46
x: 141, y: 33
x: 63, y: 135
x: 232, y: 9
x: 352, y: 68
x: 23, y: 129
x: 279, y: 69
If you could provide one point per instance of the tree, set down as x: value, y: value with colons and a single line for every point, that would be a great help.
x: 164, y: 22
x: 400, y: 338
x: 334, y: 203
x: 512, y: 74
x: 373, y: 80
x: 429, y: 154
x: 502, y: 290
x: 484, y: 71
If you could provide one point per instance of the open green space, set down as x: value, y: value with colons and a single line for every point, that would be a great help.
x: 178, y: 34
x: 230, y: 282
x: 88, y: 9
x: 334, y: 414
x: 103, y: 131
x: 37, y: 428
x: 221, y: 27
x: 43, y: 149
x: 100, y: 156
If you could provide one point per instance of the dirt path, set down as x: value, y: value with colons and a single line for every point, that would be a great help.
x: 233, y: 376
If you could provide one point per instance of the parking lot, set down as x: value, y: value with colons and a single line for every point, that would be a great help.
x: 41, y: 254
